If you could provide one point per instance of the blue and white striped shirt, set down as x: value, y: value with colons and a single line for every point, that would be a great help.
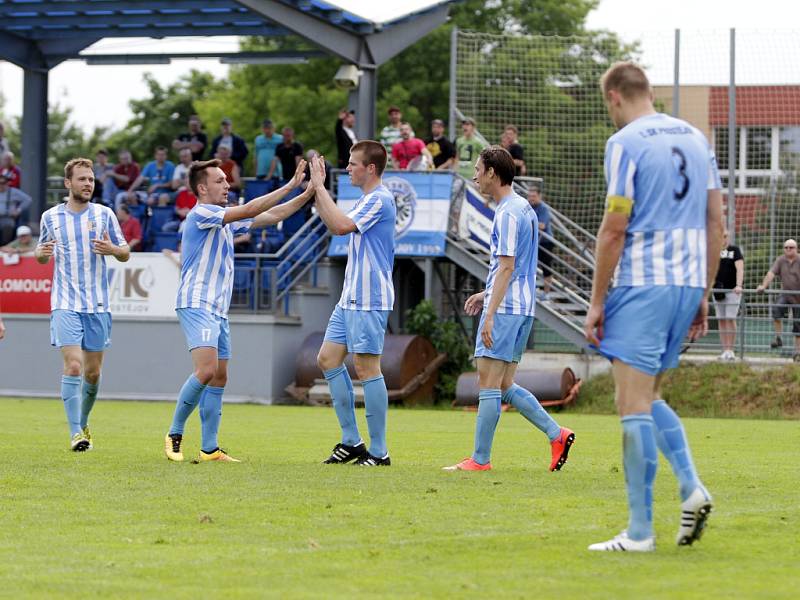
x: 665, y: 167
x: 207, y: 259
x: 80, y: 277
x: 370, y: 253
x: 515, y: 232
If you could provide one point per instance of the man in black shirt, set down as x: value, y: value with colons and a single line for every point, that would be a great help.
x: 345, y: 137
x: 194, y: 139
x: 442, y: 150
x: 290, y: 153
x: 730, y: 278
x: 510, y: 142
x: 237, y: 145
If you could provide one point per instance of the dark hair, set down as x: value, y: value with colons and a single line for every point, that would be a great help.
x: 161, y: 149
x: 103, y: 152
x: 76, y: 162
x: 627, y: 78
x: 374, y: 154
x: 124, y: 208
x: 499, y: 159
x: 198, y: 173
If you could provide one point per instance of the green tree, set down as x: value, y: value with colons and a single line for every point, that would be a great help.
x: 162, y: 115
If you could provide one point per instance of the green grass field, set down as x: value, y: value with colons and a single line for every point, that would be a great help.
x: 121, y: 521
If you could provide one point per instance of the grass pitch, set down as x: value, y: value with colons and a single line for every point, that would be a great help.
x: 121, y: 521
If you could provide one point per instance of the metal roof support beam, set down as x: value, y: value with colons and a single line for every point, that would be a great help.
x: 19, y: 51
x: 155, y: 32
x: 113, y: 5
x: 347, y: 46
x: 396, y: 38
x: 152, y: 19
x: 34, y: 138
x: 366, y: 100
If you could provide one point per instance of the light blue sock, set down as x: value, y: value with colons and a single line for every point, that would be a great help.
x: 71, y: 395
x: 376, y: 401
x: 488, y: 416
x: 188, y: 398
x: 640, y: 456
x: 88, y: 396
x: 527, y: 404
x: 671, y: 440
x: 210, y: 416
x: 344, y: 402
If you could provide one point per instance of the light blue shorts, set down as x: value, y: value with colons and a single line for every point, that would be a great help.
x: 509, y: 337
x: 645, y: 326
x: 90, y: 331
x: 205, y: 330
x: 362, y: 331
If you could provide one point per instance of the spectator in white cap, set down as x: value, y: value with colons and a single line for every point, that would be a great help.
x: 23, y: 244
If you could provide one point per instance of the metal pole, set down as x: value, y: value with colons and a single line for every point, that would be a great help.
x: 451, y: 119
x: 732, y: 154
x: 34, y: 140
x: 676, y: 89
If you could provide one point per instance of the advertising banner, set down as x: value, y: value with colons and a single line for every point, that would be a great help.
x: 423, y: 204
x: 146, y: 285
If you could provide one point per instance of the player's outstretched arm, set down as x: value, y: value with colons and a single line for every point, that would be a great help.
x: 261, y: 204
x: 279, y: 213
x: 335, y: 220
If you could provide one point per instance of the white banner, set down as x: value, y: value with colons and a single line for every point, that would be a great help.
x: 145, y: 286
x: 475, y: 220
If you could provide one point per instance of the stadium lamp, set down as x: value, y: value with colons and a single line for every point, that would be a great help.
x: 347, y: 77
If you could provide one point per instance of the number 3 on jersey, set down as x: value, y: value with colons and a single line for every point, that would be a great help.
x: 679, y: 160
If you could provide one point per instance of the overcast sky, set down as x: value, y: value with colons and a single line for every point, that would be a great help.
x: 99, y: 95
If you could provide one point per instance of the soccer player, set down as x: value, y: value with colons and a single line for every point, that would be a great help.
x: 507, y: 306
x: 662, y: 232
x: 358, y: 322
x: 80, y: 234
x: 204, y: 294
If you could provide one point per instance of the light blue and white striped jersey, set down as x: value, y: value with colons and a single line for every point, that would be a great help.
x: 515, y: 232
x: 666, y: 167
x: 80, y: 277
x: 370, y: 253
x: 207, y: 259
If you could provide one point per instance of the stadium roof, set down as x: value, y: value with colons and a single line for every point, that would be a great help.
x: 62, y: 28
x: 39, y: 34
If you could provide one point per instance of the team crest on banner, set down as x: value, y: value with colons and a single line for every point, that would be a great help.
x: 405, y: 201
x: 422, y: 201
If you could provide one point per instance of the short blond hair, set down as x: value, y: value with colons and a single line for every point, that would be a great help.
x: 627, y: 78
x: 76, y: 162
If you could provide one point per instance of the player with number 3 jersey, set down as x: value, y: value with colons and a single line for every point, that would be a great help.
x: 660, y: 238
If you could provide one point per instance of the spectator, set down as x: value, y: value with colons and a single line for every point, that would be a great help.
x: 265, y: 145
x: 408, y: 149
x: 391, y: 133
x: 289, y: 153
x: 180, y: 176
x: 232, y: 172
x: 24, y: 243
x: 730, y: 277
x: 159, y: 173
x: 234, y: 142
x: 4, y: 145
x: 345, y: 136
x: 125, y: 174
x: 546, y: 243
x: 510, y: 142
x: 13, y: 202
x: 195, y: 140
x: 441, y: 149
x: 468, y: 147
x: 9, y: 168
x: 787, y: 269
x: 184, y: 198
x: 131, y: 227
x: 105, y: 189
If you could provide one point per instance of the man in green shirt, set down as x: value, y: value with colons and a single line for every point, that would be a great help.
x: 468, y: 147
